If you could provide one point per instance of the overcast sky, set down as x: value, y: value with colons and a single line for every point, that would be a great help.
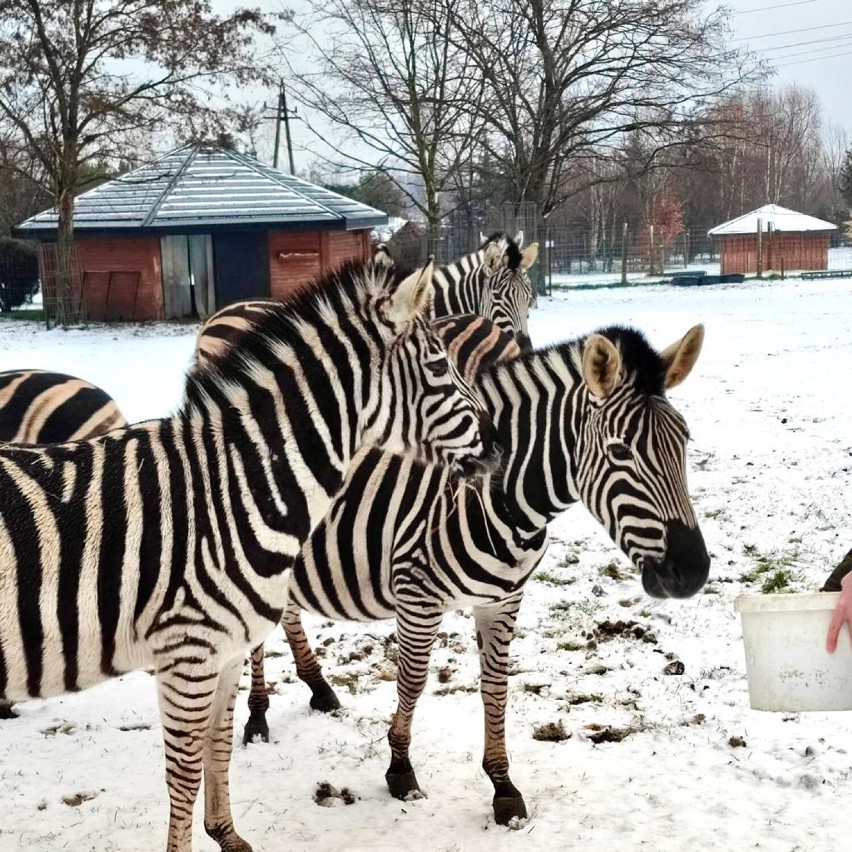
x: 808, y: 41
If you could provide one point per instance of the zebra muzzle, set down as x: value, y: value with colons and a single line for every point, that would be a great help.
x: 683, y: 570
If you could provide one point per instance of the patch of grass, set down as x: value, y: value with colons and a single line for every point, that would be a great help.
x: 450, y: 690
x: 775, y: 569
x: 28, y: 314
x: 777, y: 581
x: 572, y: 609
x: 350, y: 681
x: 570, y: 645
x: 552, y: 579
x: 713, y: 514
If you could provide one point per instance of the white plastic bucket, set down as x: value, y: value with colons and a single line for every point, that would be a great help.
x: 787, y: 665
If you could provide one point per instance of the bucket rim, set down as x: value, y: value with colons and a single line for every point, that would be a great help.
x: 787, y: 602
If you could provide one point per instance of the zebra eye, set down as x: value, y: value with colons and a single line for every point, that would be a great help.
x: 437, y: 368
x: 620, y: 452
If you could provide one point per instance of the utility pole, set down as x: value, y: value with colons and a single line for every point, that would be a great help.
x: 283, y: 116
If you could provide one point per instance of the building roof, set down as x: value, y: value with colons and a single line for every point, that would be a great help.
x: 781, y: 219
x: 197, y: 189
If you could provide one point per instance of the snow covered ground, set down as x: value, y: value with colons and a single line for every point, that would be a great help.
x: 769, y: 407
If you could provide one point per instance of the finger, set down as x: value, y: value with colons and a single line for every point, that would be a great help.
x: 834, y: 630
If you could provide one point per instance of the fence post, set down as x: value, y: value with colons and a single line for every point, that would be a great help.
x: 685, y: 249
x: 624, y: 253
x: 760, y: 248
x: 651, y: 250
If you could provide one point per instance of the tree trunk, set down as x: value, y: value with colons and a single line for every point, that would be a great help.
x: 64, y: 259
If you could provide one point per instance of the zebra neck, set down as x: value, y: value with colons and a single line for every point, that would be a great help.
x: 533, y: 402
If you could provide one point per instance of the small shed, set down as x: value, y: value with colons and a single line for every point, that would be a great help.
x: 773, y: 238
x: 198, y: 229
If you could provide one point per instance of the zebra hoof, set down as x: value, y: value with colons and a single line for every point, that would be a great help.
x: 325, y: 700
x: 255, y: 727
x: 403, y: 785
x: 506, y: 808
x: 228, y: 839
x: 7, y: 711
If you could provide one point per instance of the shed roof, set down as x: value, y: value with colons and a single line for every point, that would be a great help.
x: 203, y: 189
x: 781, y: 219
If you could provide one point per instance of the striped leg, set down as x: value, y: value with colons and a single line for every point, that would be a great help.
x: 186, y: 689
x: 416, y: 630
x: 323, y: 697
x: 258, y: 700
x: 495, y: 626
x: 218, y: 745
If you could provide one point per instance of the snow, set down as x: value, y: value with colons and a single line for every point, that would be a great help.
x: 770, y: 461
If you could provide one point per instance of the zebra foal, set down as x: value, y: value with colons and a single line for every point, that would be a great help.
x: 585, y: 420
x: 167, y: 544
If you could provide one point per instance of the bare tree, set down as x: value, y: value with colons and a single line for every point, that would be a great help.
x: 570, y: 79
x: 68, y: 94
x: 398, y: 91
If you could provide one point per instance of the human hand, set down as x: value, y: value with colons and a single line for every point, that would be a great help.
x: 842, y: 615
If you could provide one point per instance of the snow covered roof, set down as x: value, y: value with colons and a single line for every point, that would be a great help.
x: 780, y: 218
x: 203, y: 189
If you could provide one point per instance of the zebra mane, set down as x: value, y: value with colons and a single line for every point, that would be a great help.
x: 345, y: 290
x: 641, y: 362
x: 512, y: 252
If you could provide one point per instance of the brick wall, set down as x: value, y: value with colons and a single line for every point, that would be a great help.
x: 121, y: 277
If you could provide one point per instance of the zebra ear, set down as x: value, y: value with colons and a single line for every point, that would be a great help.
x: 493, y: 259
x: 482, y: 238
x: 519, y: 239
x: 601, y: 364
x: 680, y: 357
x: 413, y: 296
x: 381, y: 255
x: 529, y: 255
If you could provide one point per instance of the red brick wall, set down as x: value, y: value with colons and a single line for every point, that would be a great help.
x: 296, y: 258
x: 121, y: 277
x: 780, y: 252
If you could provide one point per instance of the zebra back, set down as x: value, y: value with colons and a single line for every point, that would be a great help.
x: 41, y: 407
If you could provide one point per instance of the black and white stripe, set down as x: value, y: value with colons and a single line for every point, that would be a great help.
x: 41, y: 407
x: 167, y: 544
x: 491, y: 282
x: 586, y: 420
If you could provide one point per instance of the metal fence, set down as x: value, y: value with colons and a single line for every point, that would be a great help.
x: 574, y: 255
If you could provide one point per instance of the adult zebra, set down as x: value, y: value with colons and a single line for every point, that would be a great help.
x: 168, y: 544
x: 585, y: 420
x: 492, y: 281
x: 41, y: 407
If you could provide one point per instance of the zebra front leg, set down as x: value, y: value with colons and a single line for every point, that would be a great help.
x: 258, y: 700
x: 495, y: 627
x: 218, y: 746
x: 185, y: 689
x: 323, y: 697
x: 416, y: 631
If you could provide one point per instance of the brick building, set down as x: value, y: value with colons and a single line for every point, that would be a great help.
x: 773, y: 239
x: 197, y: 229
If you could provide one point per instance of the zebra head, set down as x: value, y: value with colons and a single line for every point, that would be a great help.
x: 508, y: 294
x: 631, y: 456
x: 432, y: 411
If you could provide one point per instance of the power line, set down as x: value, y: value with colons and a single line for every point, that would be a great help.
x: 794, y: 32
x: 845, y: 54
x: 814, y: 50
x: 779, y: 6
x: 804, y: 43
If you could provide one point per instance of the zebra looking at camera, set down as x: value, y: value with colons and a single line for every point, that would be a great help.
x: 167, y: 545
x: 41, y: 407
x: 492, y: 282
x: 585, y: 420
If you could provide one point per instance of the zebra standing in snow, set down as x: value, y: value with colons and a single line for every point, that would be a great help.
x: 491, y: 281
x: 41, y: 407
x: 585, y: 420
x: 168, y: 544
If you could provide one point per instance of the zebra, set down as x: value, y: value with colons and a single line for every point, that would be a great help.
x: 491, y: 281
x: 40, y: 407
x: 167, y: 545
x: 584, y: 420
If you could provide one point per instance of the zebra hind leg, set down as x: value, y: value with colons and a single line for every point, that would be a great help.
x: 186, y: 689
x: 416, y: 631
x: 258, y: 700
x: 218, y: 745
x: 495, y: 627
x: 323, y: 697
